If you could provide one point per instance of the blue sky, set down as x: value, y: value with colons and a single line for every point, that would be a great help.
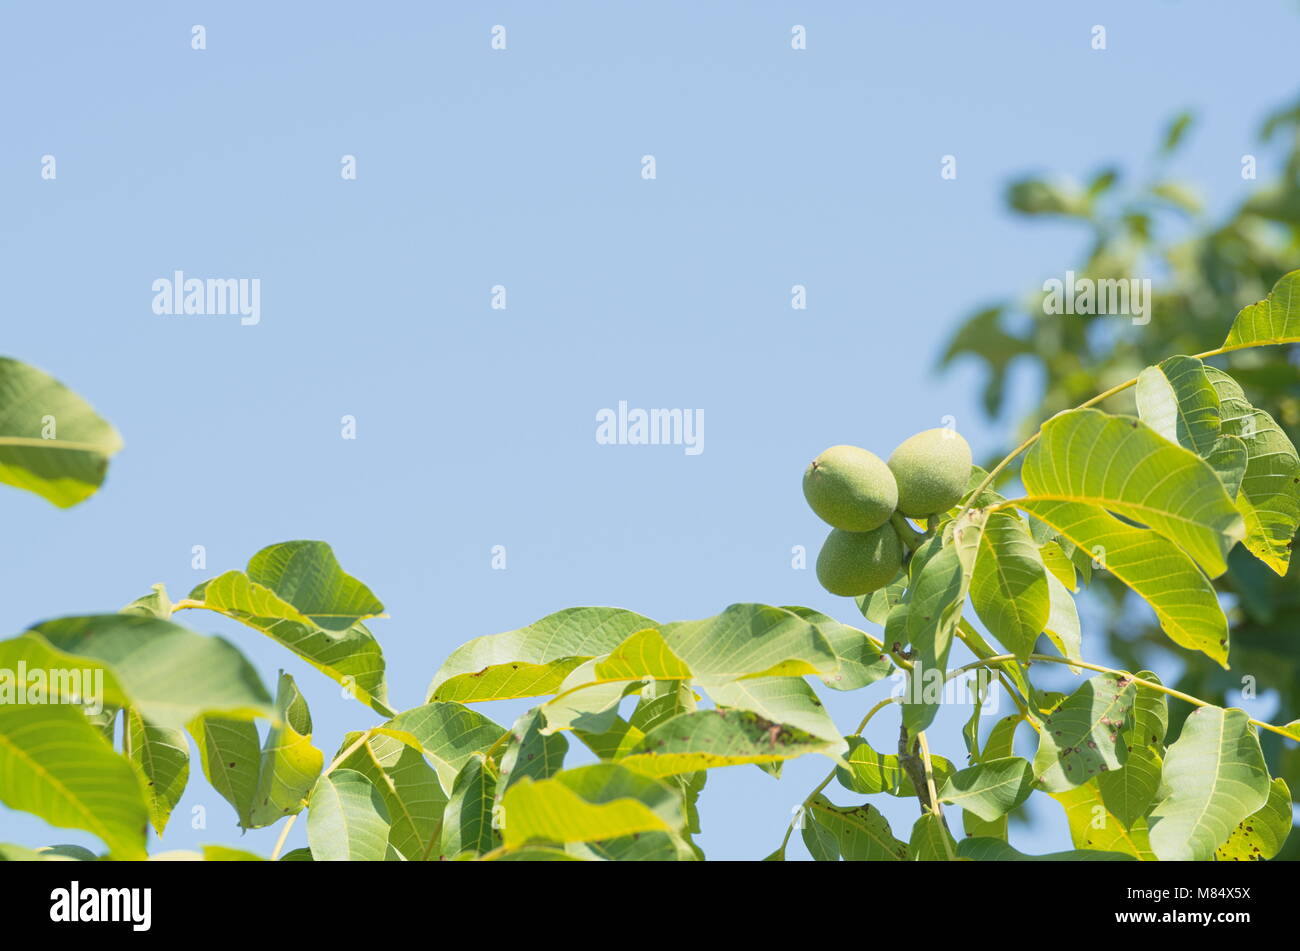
x: 522, y: 167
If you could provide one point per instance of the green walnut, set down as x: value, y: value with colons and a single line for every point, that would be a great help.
x: 854, y: 563
x: 850, y: 488
x: 932, y: 470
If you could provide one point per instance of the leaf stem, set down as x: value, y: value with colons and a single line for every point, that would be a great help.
x: 906, y: 533
x: 1150, y: 685
x: 934, y: 794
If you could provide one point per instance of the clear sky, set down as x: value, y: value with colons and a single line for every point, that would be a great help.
x: 523, y: 168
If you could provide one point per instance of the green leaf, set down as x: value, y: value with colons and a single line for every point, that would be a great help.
x: 1062, y: 627
x: 710, y: 738
x: 858, y: 833
x: 346, y: 819
x: 751, y: 640
x: 1056, y: 561
x: 56, y: 765
x: 1129, y: 792
x: 1081, y: 737
x: 449, y: 735
x: 1269, y: 497
x: 529, y: 753
x: 931, y: 841
x: 638, y: 847
x: 1000, y: 744
x: 819, y: 839
x: 409, y: 787
x: 221, y: 853
x: 582, y: 704
x: 289, y: 762
x: 861, y: 663
x: 1275, y: 319
x: 1121, y: 465
x: 786, y: 700
x: 1261, y: 835
x: 533, y: 660
x: 990, y: 789
x: 941, y: 575
x: 872, y: 772
x: 296, y: 594
x: 660, y: 701
x: 1093, y: 826
x: 941, y: 572
x: 1214, y: 777
x: 156, y: 604
x: 51, y: 442
x: 161, y: 755
x: 57, y: 853
x: 535, y: 854
x: 231, y: 756
x: 588, y: 804
x: 1176, y: 131
x: 995, y: 850
x: 1182, y: 597
x: 1009, y: 587
x: 169, y: 674
x: 1178, y: 401
x: 614, y: 743
x: 875, y: 607
x: 1150, y: 715
x: 470, y: 817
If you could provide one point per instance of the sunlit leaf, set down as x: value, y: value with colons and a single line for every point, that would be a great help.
x: 990, y: 789
x: 409, y: 787
x: 995, y: 850
x: 1121, y: 465
x: 1261, y: 835
x: 167, y: 673
x: 1214, y: 777
x: 1275, y: 319
x: 297, y: 594
x: 873, y: 772
x: 1081, y: 738
x: 470, y: 817
x: 56, y: 765
x: 289, y: 763
x: 588, y: 804
x: 51, y: 442
x: 710, y: 738
x: 162, y: 757
x: 931, y: 841
x: 855, y: 833
x: 346, y: 819
x: 1269, y: 497
x: 1182, y: 597
x: 1093, y: 826
x: 533, y: 660
x: 1009, y: 587
x: 231, y: 754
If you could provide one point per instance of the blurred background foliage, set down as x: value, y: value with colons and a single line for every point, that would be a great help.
x: 1203, y: 271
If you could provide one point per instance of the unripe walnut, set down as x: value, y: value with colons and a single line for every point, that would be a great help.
x: 850, y: 488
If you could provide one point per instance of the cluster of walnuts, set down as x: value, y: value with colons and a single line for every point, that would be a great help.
x: 857, y: 494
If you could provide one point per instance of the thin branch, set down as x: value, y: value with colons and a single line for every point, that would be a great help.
x: 1150, y: 685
